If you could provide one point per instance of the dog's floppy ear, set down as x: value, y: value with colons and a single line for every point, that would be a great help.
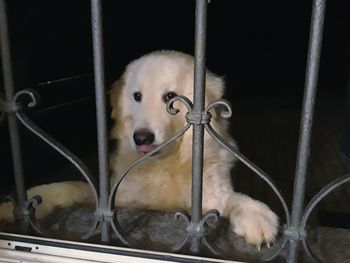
x: 119, y: 115
x: 115, y: 94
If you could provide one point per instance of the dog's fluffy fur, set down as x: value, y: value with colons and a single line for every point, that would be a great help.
x: 164, y: 180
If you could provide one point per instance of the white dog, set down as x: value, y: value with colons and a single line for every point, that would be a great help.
x: 163, y: 181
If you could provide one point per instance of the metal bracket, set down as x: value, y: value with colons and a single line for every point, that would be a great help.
x: 198, y: 118
x: 104, y: 215
x: 7, y: 107
x: 295, y: 234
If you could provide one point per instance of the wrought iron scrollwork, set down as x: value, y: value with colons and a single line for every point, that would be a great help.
x: 198, y: 231
x: 234, y: 151
x: 19, y: 108
x: 27, y: 213
x: 194, y: 231
x: 226, y: 112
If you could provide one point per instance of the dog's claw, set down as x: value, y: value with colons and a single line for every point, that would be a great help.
x: 258, y: 247
x: 268, y: 244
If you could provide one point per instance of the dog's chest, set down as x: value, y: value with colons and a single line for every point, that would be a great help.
x: 156, y: 187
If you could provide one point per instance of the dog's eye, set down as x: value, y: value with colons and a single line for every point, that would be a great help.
x: 168, y: 96
x: 137, y: 96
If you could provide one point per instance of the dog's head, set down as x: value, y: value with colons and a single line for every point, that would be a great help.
x: 139, y: 98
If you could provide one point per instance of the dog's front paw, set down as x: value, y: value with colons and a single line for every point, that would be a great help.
x: 256, y: 222
x: 6, y: 213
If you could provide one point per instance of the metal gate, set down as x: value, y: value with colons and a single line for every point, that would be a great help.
x: 294, y: 232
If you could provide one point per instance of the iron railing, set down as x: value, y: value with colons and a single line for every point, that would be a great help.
x: 199, y: 117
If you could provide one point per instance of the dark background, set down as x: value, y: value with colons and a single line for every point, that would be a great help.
x: 259, y: 46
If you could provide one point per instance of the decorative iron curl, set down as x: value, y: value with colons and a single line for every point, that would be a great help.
x: 197, y: 231
x: 192, y: 117
x: 107, y: 216
x: 27, y: 213
x: 14, y: 106
x: 53, y: 143
x: 33, y: 102
x: 226, y: 113
x: 170, y: 104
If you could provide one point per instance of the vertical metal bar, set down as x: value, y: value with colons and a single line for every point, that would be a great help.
x: 13, y: 125
x: 198, y: 107
x: 102, y: 135
x: 315, y: 44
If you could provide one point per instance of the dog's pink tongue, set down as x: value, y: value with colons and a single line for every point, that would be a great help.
x: 145, y: 148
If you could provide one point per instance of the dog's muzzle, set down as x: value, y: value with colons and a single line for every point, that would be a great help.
x: 144, y: 139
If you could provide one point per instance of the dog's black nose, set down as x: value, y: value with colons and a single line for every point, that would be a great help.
x: 143, y: 136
